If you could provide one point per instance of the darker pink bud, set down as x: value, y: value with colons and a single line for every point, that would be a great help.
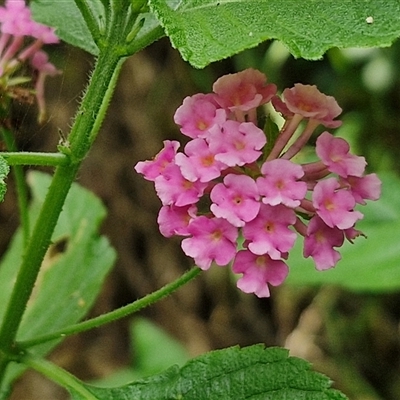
x: 309, y: 102
x: 244, y: 90
x: 363, y: 188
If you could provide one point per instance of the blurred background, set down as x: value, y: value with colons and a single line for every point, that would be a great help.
x: 352, y: 337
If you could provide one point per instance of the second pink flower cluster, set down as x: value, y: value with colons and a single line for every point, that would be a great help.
x: 226, y: 187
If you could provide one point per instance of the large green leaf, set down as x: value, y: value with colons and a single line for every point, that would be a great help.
x: 252, y: 373
x: 370, y: 264
x: 73, y: 270
x: 209, y: 30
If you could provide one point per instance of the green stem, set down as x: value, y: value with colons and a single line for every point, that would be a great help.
x: 87, y: 116
x: 115, y: 314
x: 31, y: 158
x: 58, y: 375
x: 21, y: 187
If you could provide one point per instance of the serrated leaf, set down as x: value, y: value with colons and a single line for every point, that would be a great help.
x: 252, y: 373
x: 209, y: 30
x: 73, y: 270
x: 4, y: 171
x: 371, y: 264
x: 68, y: 21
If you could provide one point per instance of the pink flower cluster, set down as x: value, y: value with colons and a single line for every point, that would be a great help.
x: 225, y: 187
x: 16, y: 26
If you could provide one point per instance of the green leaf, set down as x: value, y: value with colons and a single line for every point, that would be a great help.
x: 73, y: 270
x: 249, y: 373
x: 371, y: 264
x: 4, y: 170
x: 209, y: 30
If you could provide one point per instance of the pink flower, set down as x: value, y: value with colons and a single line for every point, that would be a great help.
x: 174, y: 220
x: 213, y: 239
x: 199, y: 113
x: 44, y: 33
x: 236, y: 199
x: 309, y: 102
x: 244, y: 90
x: 320, y: 241
x: 363, y: 188
x: 280, y: 184
x: 335, y: 207
x: 173, y: 188
x: 199, y: 163
x: 235, y: 143
x: 334, y: 153
x: 154, y: 168
x: 269, y: 232
x: 15, y: 18
x: 258, y: 271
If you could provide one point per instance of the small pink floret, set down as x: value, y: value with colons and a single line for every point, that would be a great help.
x: 236, y: 200
x: 236, y: 144
x: 319, y: 243
x: 308, y: 101
x: 173, y: 189
x: 153, y: 168
x: 333, y: 205
x: 244, y: 90
x: 199, y: 162
x: 174, y: 220
x: 213, y: 240
x: 363, y: 188
x: 198, y: 114
x: 269, y: 232
x: 335, y: 153
x: 258, y: 271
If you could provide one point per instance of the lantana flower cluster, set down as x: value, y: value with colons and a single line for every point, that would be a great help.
x: 240, y: 200
x: 21, y: 42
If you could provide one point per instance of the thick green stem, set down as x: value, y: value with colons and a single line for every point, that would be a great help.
x: 58, y: 375
x: 20, y: 183
x: 90, y: 111
x: 115, y: 314
x: 31, y: 158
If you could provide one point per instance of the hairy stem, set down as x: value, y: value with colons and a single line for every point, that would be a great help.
x: 79, y: 144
